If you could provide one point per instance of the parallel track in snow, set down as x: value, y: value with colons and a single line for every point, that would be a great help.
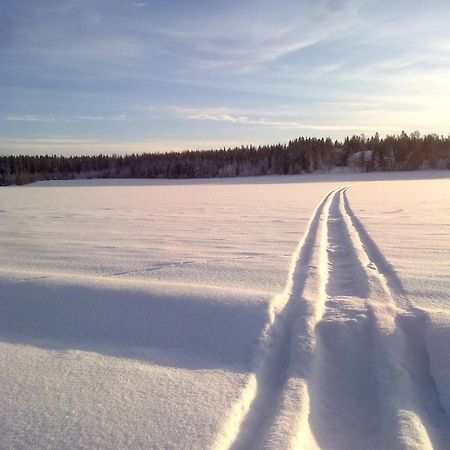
x: 343, y: 362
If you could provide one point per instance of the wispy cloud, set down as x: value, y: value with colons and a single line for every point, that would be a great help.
x: 258, y: 32
x: 116, y: 118
x: 29, y: 118
x: 70, y: 145
x: 226, y: 115
x: 63, y: 119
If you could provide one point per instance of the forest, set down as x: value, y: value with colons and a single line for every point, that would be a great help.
x: 301, y: 155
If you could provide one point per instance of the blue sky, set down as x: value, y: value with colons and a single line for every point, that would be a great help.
x: 90, y: 76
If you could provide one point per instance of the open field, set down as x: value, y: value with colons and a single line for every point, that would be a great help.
x: 274, y: 312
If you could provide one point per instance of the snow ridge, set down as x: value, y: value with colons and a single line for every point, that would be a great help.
x: 344, y: 361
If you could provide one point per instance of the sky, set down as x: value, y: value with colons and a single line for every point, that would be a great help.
x: 118, y: 76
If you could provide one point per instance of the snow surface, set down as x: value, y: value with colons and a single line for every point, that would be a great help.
x: 277, y: 312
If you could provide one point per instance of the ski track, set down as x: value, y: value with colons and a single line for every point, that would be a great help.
x: 343, y: 362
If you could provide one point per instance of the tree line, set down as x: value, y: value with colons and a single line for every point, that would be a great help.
x: 302, y: 155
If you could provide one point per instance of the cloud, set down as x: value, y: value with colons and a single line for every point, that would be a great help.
x: 29, y: 118
x: 70, y: 145
x: 116, y: 118
x: 64, y: 119
x: 248, y: 35
x: 226, y: 115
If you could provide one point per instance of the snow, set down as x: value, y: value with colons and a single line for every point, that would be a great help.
x: 361, y: 155
x: 298, y: 311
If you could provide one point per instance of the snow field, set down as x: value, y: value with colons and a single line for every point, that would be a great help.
x: 279, y: 312
x: 166, y: 287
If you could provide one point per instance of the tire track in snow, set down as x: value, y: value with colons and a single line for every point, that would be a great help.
x: 345, y: 412
x: 252, y: 418
x: 370, y: 384
x: 343, y: 362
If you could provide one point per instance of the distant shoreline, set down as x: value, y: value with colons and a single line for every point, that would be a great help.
x: 300, y: 156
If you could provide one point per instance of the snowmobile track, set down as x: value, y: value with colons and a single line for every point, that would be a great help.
x: 343, y: 362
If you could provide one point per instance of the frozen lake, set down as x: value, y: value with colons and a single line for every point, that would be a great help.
x: 298, y: 311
